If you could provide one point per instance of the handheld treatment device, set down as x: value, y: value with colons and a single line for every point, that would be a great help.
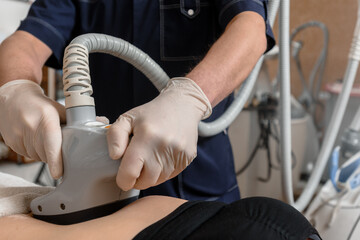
x: 88, y: 189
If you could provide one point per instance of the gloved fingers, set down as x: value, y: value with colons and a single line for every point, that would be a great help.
x: 54, y: 158
x: 25, y: 150
x: 118, y: 136
x: 103, y: 119
x: 129, y: 172
x: 19, y: 148
x: 31, y: 149
x: 61, y: 111
x: 184, y: 160
x: 150, y: 174
x: 51, y: 137
x: 174, y: 173
x: 168, y: 168
x: 142, y: 163
x: 36, y: 153
x: 30, y: 117
x: 164, y: 176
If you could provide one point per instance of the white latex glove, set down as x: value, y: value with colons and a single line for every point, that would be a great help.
x: 103, y: 119
x: 30, y: 123
x: 165, y: 134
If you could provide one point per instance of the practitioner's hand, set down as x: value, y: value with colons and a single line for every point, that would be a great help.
x: 30, y: 123
x: 165, y: 134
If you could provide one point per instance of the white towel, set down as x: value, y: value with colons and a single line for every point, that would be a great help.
x: 17, y: 193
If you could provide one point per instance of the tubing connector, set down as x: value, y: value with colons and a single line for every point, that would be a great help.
x: 76, y: 77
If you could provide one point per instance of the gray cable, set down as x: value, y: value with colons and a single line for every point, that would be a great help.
x: 285, y: 101
x: 320, y: 63
x: 127, y: 52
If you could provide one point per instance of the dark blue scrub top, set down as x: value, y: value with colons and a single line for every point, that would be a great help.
x: 176, y: 40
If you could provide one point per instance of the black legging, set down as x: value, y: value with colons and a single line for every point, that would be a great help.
x: 249, y: 218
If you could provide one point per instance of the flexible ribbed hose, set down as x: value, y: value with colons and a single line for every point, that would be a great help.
x: 76, y: 77
x: 125, y: 51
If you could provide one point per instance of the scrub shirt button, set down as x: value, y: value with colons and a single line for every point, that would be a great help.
x: 190, y: 12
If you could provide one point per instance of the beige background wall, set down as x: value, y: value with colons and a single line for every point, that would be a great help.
x: 340, y: 18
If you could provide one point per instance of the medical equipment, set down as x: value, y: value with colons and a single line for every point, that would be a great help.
x: 266, y: 107
x: 309, y: 95
x: 332, y: 130
x: 81, y: 120
x: 285, y: 114
x: 88, y: 189
x: 335, y: 210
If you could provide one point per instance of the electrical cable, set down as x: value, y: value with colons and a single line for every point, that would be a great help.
x: 268, y: 154
x: 266, y: 111
x: 262, y: 143
x: 310, y: 94
x: 277, y: 140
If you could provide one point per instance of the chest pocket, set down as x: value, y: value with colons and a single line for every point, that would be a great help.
x: 187, y: 29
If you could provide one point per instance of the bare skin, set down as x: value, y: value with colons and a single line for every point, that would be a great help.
x: 22, y: 57
x: 218, y: 79
x: 125, y: 223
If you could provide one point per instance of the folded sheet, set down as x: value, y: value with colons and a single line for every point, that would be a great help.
x: 17, y: 193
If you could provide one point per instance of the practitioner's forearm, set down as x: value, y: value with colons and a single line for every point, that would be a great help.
x: 22, y: 57
x: 232, y: 57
